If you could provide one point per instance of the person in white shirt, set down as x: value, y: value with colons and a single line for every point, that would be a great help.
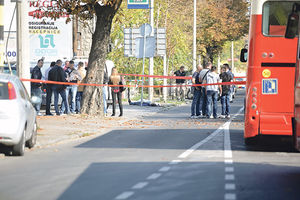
x: 212, y: 92
x: 203, y: 99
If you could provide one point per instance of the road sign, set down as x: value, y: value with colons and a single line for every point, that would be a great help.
x: 149, y: 48
x: 130, y: 34
x: 138, y: 4
x: 270, y: 86
x: 146, y: 30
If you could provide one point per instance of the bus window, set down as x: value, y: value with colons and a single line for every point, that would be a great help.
x: 275, y: 17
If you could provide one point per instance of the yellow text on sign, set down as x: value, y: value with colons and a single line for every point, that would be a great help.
x: 266, y: 73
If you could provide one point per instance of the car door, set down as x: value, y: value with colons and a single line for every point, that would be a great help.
x: 28, y: 108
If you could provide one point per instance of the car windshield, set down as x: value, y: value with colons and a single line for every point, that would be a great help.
x: 275, y: 17
x: 3, y: 91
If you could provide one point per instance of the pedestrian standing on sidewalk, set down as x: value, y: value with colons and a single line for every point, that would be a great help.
x: 48, y: 90
x: 180, y: 84
x: 82, y: 72
x: 57, y: 74
x: 225, y: 102
x: 212, y: 92
x: 232, y: 87
x: 116, y: 91
x: 73, y: 76
x: 36, y: 88
x: 197, y: 94
x: 203, y: 99
x: 104, y: 90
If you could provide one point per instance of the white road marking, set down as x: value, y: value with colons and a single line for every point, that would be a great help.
x: 175, y: 162
x: 229, y: 186
x: 154, y: 176
x: 125, y: 195
x: 140, y: 185
x: 229, y: 169
x: 229, y: 177
x: 164, y: 169
x: 228, y: 161
x: 230, y: 196
x: 196, y: 146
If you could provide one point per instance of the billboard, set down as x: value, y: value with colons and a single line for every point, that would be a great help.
x: 49, y: 38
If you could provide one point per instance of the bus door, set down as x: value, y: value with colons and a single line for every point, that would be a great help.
x: 277, y: 70
x: 292, y: 31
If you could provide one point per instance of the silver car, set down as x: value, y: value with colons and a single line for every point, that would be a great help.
x: 18, y: 125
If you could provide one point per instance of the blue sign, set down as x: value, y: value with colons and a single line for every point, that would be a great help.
x: 138, y: 4
x: 269, y: 86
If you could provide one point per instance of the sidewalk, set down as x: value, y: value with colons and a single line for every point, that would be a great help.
x: 59, y: 129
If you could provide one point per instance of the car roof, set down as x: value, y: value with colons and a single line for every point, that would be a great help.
x: 8, y: 78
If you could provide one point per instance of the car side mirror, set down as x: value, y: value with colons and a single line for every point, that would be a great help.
x: 244, y: 55
x: 292, y: 26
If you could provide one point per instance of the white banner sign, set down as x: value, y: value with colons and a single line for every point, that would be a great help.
x: 48, y: 38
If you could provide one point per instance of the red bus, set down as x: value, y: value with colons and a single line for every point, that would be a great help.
x: 292, y: 32
x: 269, y: 102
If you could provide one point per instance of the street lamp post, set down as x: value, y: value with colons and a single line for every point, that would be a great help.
x: 194, y: 38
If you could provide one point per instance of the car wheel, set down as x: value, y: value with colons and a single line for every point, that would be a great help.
x: 32, y: 141
x: 19, y: 149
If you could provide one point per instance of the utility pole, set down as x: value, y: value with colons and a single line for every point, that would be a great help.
x: 151, y: 61
x: 23, y: 42
x: 165, y: 90
x: 232, y: 56
x: 194, y: 39
x: 1, y: 33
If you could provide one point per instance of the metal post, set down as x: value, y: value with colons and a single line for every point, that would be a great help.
x: 232, y: 56
x: 219, y: 62
x: 151, y: 61
x: 1, y: 33
x: 165, y: 80
x: 23, y: 42
x: 194, y: 38
x: 143, y: 78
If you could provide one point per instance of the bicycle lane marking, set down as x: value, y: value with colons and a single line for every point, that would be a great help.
x: 225, y: 126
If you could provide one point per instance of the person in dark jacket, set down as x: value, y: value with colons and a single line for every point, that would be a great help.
x: 116, y: 80
x: 48, y: 90
x: 225, y: 96
x: 104, y: 90
x: 57, y: 74
x: 180, y: 88
x: 36, y: 87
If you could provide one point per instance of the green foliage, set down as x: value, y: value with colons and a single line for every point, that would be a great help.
x: 219, y: 22
x: 165, y: 16
x: 226, y: 55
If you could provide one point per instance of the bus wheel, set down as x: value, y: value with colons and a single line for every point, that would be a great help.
x: 251, y: 141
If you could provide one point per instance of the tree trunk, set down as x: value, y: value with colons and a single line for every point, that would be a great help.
x: 92, y: 101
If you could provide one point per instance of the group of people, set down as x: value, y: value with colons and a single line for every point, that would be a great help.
x: 205, y: 98
x: 71, y: 94
x: 56, y: 72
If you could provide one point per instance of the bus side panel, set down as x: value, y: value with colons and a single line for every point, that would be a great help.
x: 253, y: 86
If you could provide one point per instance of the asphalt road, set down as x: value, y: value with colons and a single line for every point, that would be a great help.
x: 179, y: 159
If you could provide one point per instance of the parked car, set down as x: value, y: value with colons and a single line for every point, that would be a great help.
x: 6, y: 70
x: 17, y: 115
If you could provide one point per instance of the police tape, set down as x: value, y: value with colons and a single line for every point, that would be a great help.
x: 133, y: 86
x: 169, y: 77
